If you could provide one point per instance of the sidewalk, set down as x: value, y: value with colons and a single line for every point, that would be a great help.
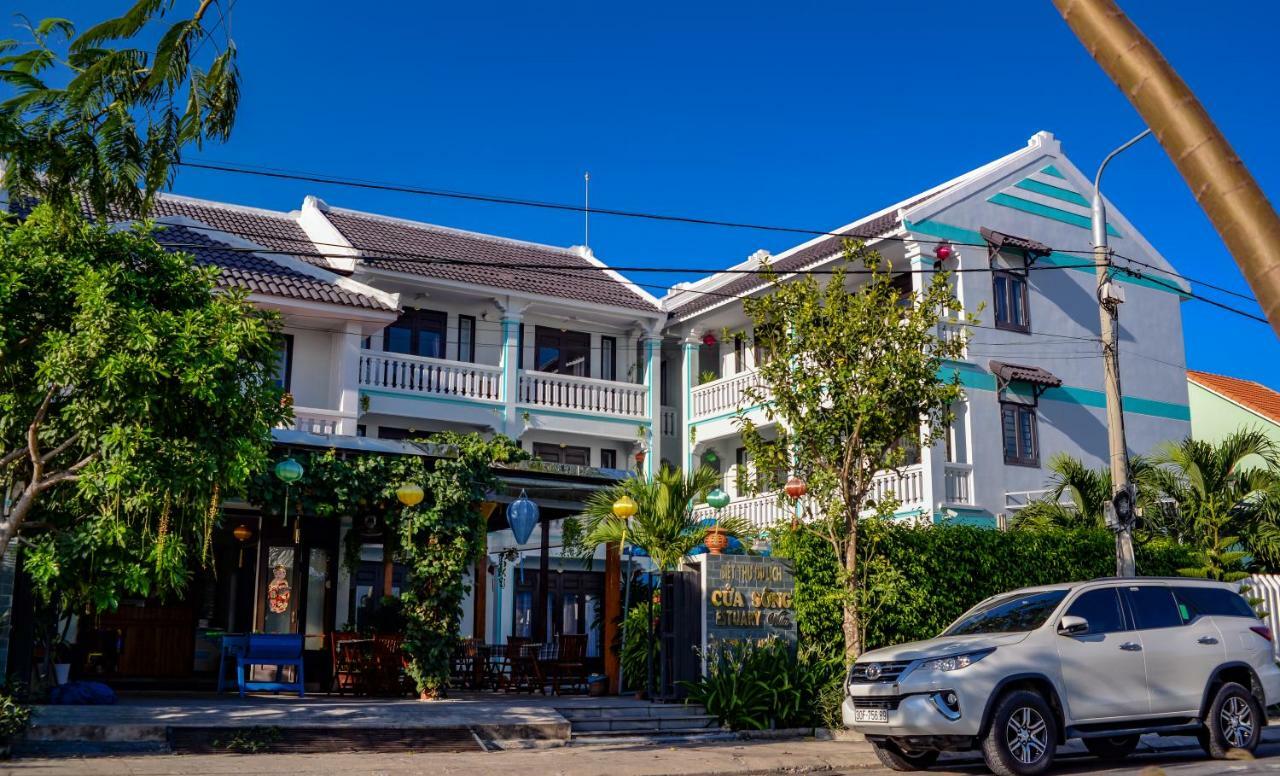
x: 736, y: 757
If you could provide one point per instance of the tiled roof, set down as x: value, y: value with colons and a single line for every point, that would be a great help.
x: 1027, y: 374
x: 405, y: 246
x: 747, y: 283
x: 1248, y: 394
x: 259, y: 274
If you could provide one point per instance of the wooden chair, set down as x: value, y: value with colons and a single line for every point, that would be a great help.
x: 465, y: 669
x: 389, y: 663
x: 505, y: 662
x: 346, y: 666
x: 571, y: 665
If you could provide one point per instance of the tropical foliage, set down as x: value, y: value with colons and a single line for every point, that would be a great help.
x: 131, y: 396
x: 850, y: 387
x: 1077, y: 495
x: 108, y: 123
x: 438, y: 539
x: 768, y: 686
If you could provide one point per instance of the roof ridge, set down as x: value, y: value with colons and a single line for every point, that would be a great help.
x: 429, y: 227
x: 220, y: 205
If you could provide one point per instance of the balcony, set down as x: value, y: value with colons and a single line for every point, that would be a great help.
x: 907, y: 485
x: 762, y: 511
x: 958, y: 483
x: 584, y: 395
x: 670, y: 428
x: 723, y: 396
x: 314, y: 420
x: 421, y: 376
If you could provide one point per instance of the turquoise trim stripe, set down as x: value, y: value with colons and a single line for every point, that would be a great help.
x: 975, y: 517
x: 1066, y: 195
x: 1051, y: 170
x: 723, y: 415
x: 585, y: 416
x: 1044, y: 211
x: 978, y: 379
x: 488, y: 405
x: 1073, y: 263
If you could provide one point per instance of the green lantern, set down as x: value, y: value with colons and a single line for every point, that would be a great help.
x: 288, y: 471
x: 718, y: 499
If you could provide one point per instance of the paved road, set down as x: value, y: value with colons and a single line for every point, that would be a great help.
x: 1191, y: 762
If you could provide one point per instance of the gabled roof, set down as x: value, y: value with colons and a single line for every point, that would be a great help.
x: 1254, y: 397
x: 241, y: 268
x: 268, y: 228
x: 432, y: 251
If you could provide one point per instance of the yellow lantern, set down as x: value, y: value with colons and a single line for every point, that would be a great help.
x: 410, y: 494
x: 625, y: 508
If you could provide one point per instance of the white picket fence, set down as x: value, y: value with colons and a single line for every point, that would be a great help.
x: 1267, y: 587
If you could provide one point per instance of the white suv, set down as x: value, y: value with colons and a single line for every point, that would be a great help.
x: 1104, y: 661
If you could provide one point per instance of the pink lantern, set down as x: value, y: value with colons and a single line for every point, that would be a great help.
x: 943, y: 251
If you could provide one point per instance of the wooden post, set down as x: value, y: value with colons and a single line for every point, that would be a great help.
x: 612, y: 612
x: 479, y: 592
x: 388, y: 563
x: 542, y: 628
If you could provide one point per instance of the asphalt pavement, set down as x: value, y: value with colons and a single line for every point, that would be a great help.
x: 1183, y: 762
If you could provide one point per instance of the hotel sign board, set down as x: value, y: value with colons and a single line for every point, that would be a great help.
x: 746, y: 600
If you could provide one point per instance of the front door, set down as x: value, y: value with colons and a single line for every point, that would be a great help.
x: 1103, y: 670
x: 575, y: 601
x: 295, y: 593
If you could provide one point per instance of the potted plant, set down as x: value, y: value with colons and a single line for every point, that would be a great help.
x: 61, y: 660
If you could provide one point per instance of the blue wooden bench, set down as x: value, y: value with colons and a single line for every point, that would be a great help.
x: 271, y: 649
x: 233, y: 646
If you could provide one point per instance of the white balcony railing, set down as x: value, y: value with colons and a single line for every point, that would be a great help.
x: 958, y: 483
x: 761, y: 511
x: 724, y: 395
x: 582, y: 394
x: 953, y: 331
x: 669, y: 426
x: 907, y: 485
x: 314, y: 420
x: 421, y: 376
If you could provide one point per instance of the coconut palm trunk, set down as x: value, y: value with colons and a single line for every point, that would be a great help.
x: 1222, y: 185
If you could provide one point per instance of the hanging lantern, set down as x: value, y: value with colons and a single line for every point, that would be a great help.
x: 625, y: 508
x: 410, y: 494
x: 796, y: 488
x: 718, y: 499
x: 289, y: 471
x: 943, y: 251
x: 708, y: 339
x: 639, y: 459
x: 710, y: 457
x: 243, y: 534
x: 522, y: 515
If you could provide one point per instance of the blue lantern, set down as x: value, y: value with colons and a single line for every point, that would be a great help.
x: 522, y: 515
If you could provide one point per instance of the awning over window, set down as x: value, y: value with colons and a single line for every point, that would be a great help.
x: 999, y: 241
x: 1007, y: 373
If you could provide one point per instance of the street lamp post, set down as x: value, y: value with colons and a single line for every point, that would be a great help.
x: 624, y: 509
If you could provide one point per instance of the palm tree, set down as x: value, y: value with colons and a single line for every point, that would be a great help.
x: 1212, y: 493
x: 1089, y: 490
x: 663, y: 526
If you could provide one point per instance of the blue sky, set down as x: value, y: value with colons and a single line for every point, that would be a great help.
x: 801, y: 113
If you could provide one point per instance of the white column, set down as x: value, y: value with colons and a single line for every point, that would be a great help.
x: 688, y: 379
x: 933, y: 457
x: 512, y: 315
x: 344, y: 376
x: 652, y: 343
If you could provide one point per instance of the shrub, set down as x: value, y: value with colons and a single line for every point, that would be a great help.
x: 767, y: 686
x: 931, y: 575
x: 635, y: 659
x: 14, y: 717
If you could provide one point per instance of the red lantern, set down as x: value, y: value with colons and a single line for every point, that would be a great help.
x: 796, y: 488
x: 943, y: 251
x: 708, y: 339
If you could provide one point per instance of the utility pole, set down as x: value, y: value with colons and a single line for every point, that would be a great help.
x: 1110, y: 295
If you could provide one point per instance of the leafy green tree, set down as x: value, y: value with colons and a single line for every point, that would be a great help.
x: 1208, y: 492
x: 852, y: 384
x: 1087, y: 490
x: 109, y: 123
x: 130, y: 381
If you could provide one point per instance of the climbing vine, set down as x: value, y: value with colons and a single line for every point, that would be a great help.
x: 436, y: 540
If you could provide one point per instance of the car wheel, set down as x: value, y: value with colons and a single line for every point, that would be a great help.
x: 1234, y: 721
x: 897, y: 759
x: 1112, y: 748
x: 1022, y: 736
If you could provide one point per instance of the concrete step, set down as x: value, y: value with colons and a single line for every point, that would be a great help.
x: 614, y: 738
x: 644, y: 724
x: 650, y: 710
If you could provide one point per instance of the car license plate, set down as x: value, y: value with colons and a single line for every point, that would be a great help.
x: 870, y: 715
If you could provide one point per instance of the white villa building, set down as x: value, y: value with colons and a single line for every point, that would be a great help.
x: 395, y: 329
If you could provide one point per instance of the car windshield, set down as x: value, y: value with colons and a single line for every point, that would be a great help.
x: 1008, y: 614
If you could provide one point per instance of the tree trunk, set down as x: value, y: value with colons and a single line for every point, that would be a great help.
x: 852, y: 625
x: 9, y: 527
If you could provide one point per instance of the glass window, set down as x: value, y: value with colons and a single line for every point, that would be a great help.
x: 1008, y: 614
x: 317, y: 586
x: 1009, y: 291
x: 662, y: 387
x: 1101, y: 608
x: 1195, y: 602
x: 608, y: 358
x: 466, y: 338
x: 608, y: 458
x: 739, y: 353
x: 1019, y: 433
x: 1152, y: 606
x: 281, y: 604
x: 523, y: 625
x: 520, y: 348
x: 284, y: 361
x: 550, y: 453
x: 562, y: 352
x: 418, y: 333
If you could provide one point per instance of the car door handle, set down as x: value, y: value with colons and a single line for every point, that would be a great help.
x: 1206, y: 640
x: 1131, y: 646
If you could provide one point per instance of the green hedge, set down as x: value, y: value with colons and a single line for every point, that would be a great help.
x: 926, y: 577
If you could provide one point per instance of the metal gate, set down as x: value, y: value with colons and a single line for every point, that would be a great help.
x: 680, y: 631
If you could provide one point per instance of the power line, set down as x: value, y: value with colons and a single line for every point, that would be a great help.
x: 1180, y: 276
x: 308, y: 177
x: 1192, y: 295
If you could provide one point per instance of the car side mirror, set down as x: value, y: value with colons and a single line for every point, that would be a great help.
x: 1071, y: 625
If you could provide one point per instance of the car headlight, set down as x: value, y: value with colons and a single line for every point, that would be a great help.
x: 954, y: 662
